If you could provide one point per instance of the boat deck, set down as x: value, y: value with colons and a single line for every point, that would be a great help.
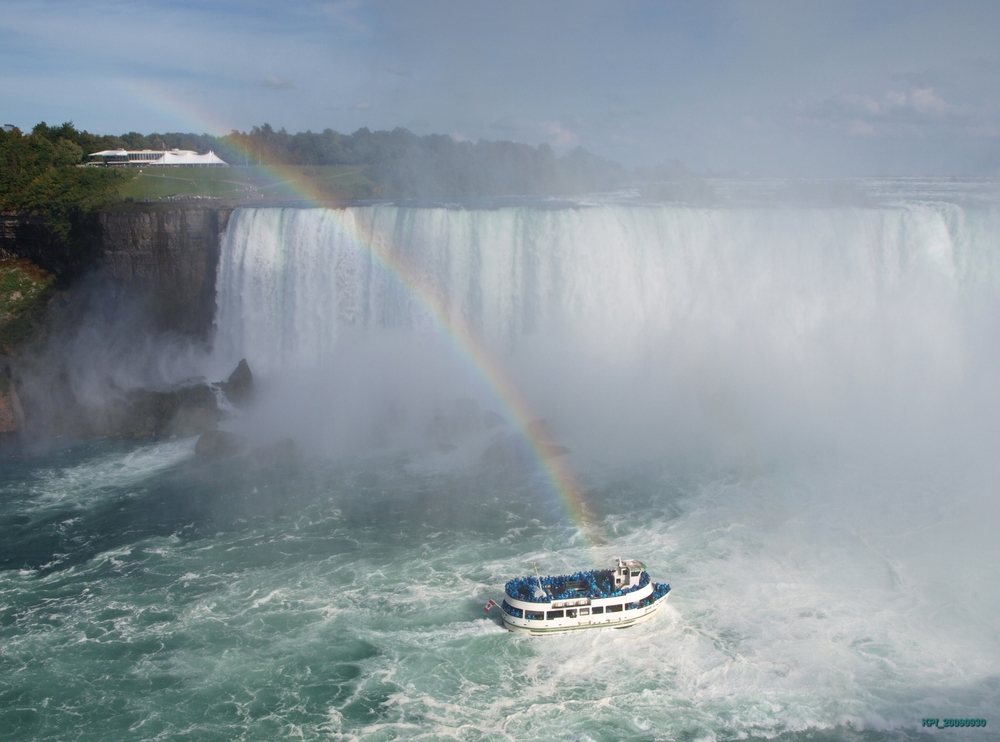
x: 595, y: 584
x: 613, y: 598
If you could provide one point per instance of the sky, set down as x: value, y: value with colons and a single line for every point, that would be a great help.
x: 761, y: 88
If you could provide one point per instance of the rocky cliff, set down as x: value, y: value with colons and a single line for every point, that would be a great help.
x: 64, y: 254
x: 168, y: 256
x: 114, y: 306
x: 163, y: 254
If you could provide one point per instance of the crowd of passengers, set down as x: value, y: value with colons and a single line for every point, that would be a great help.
x: 659, y: 590
x: 597, y: 583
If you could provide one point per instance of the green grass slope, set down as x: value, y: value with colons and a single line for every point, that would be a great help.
x: 324, y: 182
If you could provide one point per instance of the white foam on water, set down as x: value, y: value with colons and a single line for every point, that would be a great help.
x: 781, y: 620
x: 786, y: 413
x: 83, y: 484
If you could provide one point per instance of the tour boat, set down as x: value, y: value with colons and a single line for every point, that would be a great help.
x: 616, y: 598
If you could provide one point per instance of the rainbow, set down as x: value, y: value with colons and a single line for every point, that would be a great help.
x: 488, y: 367
x: 466, y: 342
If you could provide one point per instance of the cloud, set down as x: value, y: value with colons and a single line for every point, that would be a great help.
x: 709, y: 84
x: 892, y: 102
x: 558, y: 134
x: 859, y: 128
x: 275, y: 83
x: 892, y: 98
x: 864, y: 115
x: 925, y: 101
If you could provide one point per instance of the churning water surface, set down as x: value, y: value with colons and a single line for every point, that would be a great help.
x: 787, y: 412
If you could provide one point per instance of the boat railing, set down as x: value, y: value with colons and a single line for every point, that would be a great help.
x: 595, y: 584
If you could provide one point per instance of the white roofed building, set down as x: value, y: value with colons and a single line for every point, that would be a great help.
x: 155, y: 158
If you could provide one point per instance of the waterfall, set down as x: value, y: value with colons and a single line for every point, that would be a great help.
x: 291, y: 280
x: 761, y: 318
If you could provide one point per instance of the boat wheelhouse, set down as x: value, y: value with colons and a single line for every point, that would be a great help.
x: 617, y: 598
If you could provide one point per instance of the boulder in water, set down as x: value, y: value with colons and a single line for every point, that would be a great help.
x: 193, y: 421
x: 239, y: 387
x: 514, y: 452
x: 540, y: 430
x: 185, y: 410
x: 219, y: 444
x: 450, y: 427
x: 507, y: 452
x: 554, y: 450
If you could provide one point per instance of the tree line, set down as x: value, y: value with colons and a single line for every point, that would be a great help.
x: 39, y: 171
x: 399, y: 162
x: 38, y: 175
x: 403, y: 164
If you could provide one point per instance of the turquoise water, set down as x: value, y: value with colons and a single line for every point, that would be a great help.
x: 145, y: 595
x: 787, y: 413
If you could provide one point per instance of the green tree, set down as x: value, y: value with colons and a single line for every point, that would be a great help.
x: 40, y: 175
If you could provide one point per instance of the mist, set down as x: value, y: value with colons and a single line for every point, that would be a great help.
x: 784, y: 401
x: 755, y: 334
x: 814, y: 383
x: 737, y: 267
x: 100, y: 343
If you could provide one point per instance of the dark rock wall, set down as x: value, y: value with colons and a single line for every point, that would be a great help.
x: 162, y: 255
x: 67, y: 256
x: 139, y: 274
x: 166, y: 256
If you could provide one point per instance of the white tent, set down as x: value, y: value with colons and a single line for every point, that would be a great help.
x: 150, y: 157
x: 187, y: 157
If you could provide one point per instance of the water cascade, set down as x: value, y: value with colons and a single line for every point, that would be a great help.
x: 790, y: 414
x: 773, y: 324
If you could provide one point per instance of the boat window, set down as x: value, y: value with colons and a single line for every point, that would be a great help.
x: 614, y: 608
x: 511, y: 610
x: 635, y: 574
x: 631, y: 606
x: 598, y: 610
x: 554, y: 614
x: 534, y: 615
x: 571, y: 613
x: 584, y: 611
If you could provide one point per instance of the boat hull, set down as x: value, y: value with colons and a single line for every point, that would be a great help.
x: 620, y: 620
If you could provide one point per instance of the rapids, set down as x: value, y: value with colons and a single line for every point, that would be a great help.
x: 788, y: 412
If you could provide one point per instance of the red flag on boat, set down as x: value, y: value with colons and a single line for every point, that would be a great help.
x: 489, y: 605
